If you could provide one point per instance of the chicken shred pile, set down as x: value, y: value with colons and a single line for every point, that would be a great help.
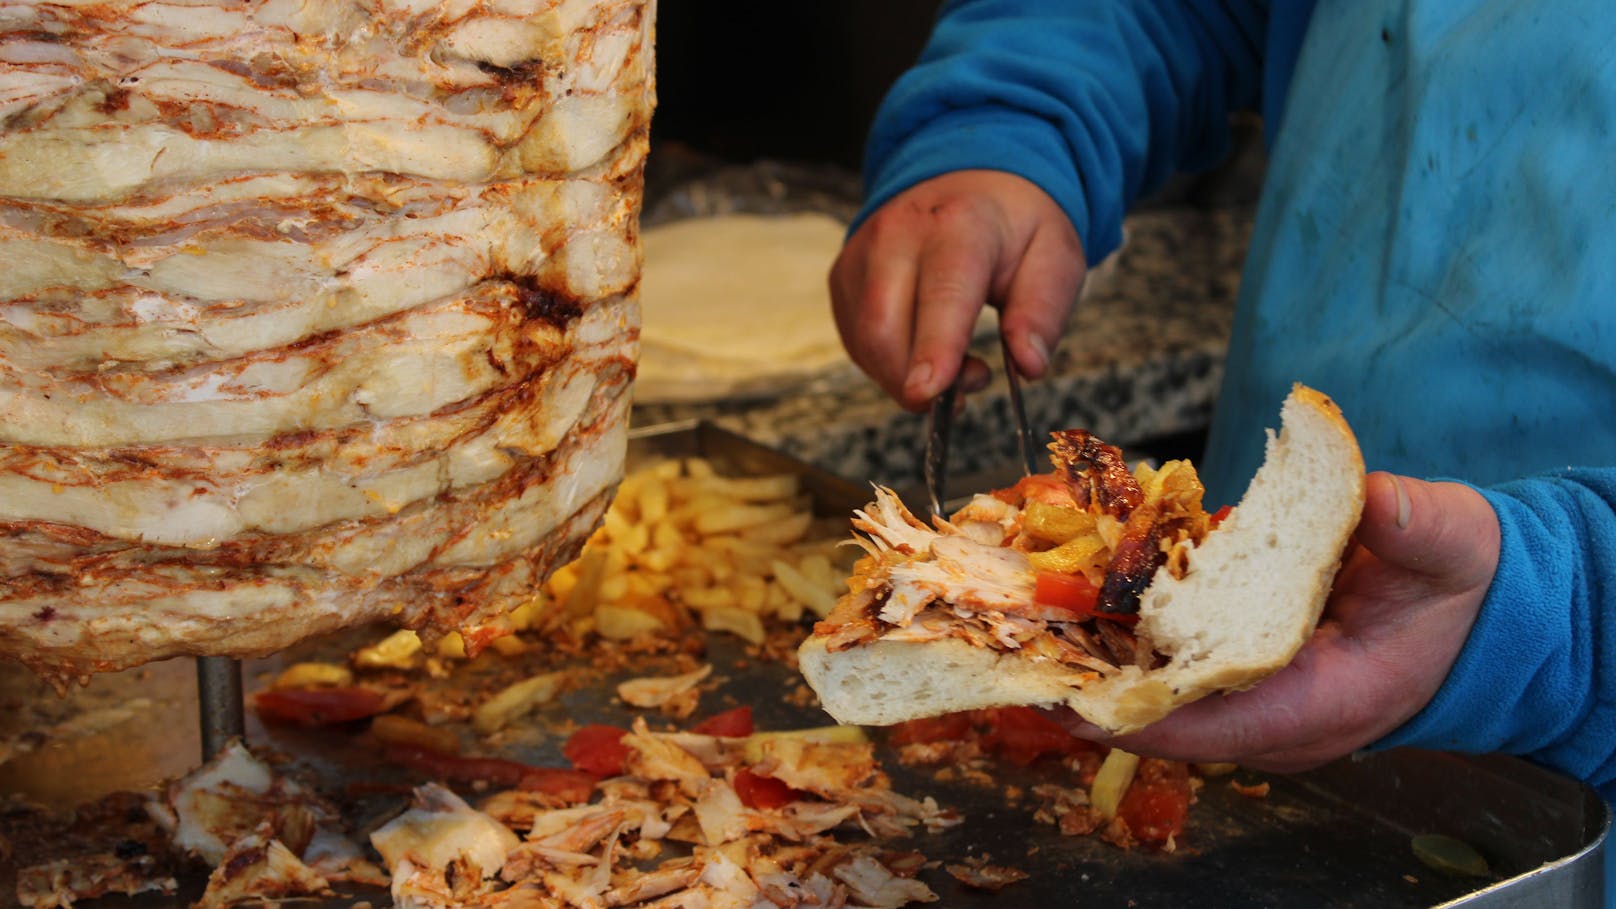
x: 671, y: 832
x: 975, y: 575
x: 314, y: 314
x: 677, y: 797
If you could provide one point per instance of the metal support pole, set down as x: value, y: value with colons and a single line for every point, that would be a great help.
x: 218, y: 693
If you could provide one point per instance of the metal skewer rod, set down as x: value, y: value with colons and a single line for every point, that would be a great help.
x: 218, y: 694
x: 939, y: 426
x: 1024, y: 443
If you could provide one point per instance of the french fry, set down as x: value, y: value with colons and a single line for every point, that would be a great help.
x: 814, y: 596
x: 396, y: 651
x: 789, y: 529
x: 782, y: 604
x: 527, y: 615
x: 452, y: 646
x: 515, y: 701
x: 654, y: 499
x: 665, y: 470
x: 689, y: 577
x: 620, y: 623
x: 1071, y: 557
x: 679, y: 532
x: 754, y: 562
x: 758, y: 745
x: 616, y: 523
x: 638, y: 539
x: 613, y: 587
x: 314, y: 675
x: 751, y: 591
x: 731, y: 518
x: 751, y: 489
x: 646, y: 584
x: 1112, y: 780
x: 665, y: 535
x: 660, y: 559
x: 1055, y: 523
x: 737, y: 621
x: 562, y: 580
x: 509, y: 645
x: 584, y: 594
x: 705, y: 598
x: 817, y: 570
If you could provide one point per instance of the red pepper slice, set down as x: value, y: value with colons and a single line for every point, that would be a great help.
x: 1022, y: 735
x: 597, y: 749
x: 950, y: 727
x: 318, y: 706
x: 571, y: 785
x: 764, y: 792
x: 734, y: 724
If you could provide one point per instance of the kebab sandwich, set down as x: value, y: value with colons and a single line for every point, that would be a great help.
x: 1108, y: 590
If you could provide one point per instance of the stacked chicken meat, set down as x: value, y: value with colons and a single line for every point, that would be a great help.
x: 312, y: 313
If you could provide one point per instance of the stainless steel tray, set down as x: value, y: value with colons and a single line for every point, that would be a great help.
x: 1337, y: 836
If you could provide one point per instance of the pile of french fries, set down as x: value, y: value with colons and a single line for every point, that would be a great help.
x: 682, y: 543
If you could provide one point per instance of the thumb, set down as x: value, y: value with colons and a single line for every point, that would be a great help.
x: 1444, y: 532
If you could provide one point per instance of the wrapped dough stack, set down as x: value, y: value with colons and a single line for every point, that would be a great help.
x: 313, y: 313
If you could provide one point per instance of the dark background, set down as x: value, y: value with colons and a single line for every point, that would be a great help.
x: 739, y: 82
x: 791, y: 81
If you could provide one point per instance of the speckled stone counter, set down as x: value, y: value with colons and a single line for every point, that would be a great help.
x: 1141, y: 359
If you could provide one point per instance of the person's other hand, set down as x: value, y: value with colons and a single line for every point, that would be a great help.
x: 1400, y: 611
x: 908, y: 285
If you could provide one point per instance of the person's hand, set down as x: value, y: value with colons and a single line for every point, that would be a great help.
x: 1400, y: 611
x: 908, y: 286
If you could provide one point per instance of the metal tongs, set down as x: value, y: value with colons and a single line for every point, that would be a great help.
x: 940, y: 424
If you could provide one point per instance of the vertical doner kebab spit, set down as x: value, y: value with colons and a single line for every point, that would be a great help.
x: 312, y: 314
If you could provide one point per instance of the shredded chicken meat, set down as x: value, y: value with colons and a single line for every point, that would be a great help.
x: 976, y: 575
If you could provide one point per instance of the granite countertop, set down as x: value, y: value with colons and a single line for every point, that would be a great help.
x: 1141, y: 360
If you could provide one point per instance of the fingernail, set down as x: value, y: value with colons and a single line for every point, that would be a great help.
x: 1040, y: 351
x: 1405, y: 506
x: 918, y: 382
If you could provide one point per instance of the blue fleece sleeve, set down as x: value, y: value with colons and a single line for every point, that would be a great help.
x: 1537, y: 676
x: 1096, y: 103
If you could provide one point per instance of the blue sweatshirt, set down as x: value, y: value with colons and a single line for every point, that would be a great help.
x: 1435, y: 248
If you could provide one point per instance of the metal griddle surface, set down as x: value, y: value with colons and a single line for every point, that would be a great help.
x: 1338, y: 836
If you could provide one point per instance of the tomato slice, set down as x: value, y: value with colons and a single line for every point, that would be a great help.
x: 1072, y: 592
x: 764, y: 792
x: 1157, y: 802
x: 733, y: 724
x: 1022, y: 735
x: 1039, y: 487
x: 1217, y: 517
x: 597, y: 749
x: 571, y: 785
x: 318, y: 706
x: 950, y: 727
